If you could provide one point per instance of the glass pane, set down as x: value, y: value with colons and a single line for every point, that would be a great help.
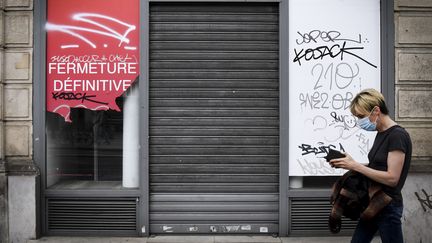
x: 319, y: 181
x: 92, y: 68
x: 86, y: 152
x: 312, y: 182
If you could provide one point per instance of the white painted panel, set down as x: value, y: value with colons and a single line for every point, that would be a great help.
x: 334, y: 53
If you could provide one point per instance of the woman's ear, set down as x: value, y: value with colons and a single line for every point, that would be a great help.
x: 377, y: 110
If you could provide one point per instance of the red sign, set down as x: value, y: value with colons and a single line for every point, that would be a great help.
x: 92, y: 53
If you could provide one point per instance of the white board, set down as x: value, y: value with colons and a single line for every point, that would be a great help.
x: 334, y: 52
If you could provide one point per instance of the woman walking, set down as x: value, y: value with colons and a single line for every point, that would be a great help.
x: 389, y: 161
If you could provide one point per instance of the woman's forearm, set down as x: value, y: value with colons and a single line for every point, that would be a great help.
x: 383, y: 177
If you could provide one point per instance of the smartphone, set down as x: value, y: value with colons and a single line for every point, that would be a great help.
x: 334, y: 154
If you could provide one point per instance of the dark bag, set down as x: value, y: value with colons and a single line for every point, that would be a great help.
x: 355, y: 196
x: 350, y: 198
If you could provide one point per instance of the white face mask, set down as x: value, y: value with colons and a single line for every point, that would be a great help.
x: 366, y: 124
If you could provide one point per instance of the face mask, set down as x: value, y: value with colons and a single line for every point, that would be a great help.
x: 366, y: 124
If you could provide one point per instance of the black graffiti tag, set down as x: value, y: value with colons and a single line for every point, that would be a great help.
x: 326, y: 36
x: 321, y: 149
x: 322, y: 51
x: 75, y: 96
x: 425, y: 202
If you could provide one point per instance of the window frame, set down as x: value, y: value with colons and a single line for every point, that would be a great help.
x: 39, y: 135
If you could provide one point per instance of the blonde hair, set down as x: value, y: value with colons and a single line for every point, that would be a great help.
x: 366, y: 100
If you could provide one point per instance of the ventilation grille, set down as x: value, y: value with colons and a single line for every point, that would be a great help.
x: 310, y: 215
x: 91, y: 214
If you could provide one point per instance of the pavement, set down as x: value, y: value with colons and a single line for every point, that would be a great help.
x: 197, y: 239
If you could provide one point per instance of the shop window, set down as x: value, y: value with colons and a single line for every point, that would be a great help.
x: 90, y: 151
x: 92, y: 69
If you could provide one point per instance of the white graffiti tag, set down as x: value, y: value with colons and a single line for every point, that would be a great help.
x: 103, y: 29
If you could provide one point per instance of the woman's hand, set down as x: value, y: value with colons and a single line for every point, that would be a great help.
x: 390, y: 177
x: 347, y: 162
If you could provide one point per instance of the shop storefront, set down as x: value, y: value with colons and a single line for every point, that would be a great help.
x: 200, y: 117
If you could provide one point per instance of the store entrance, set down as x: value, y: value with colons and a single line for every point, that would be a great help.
x: 214, y: 118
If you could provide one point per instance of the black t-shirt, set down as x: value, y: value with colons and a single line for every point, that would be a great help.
x: 394, y: 138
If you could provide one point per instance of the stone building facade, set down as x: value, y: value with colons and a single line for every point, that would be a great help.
x: 19, y: 172
x: 17, y: 201
x: 413, y: 109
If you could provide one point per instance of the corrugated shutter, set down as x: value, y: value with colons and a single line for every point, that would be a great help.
x: 214, y: 117
x: 113, y: 215
x: 309, y: 216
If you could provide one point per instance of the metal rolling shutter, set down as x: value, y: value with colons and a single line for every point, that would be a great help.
x: 214, y: 118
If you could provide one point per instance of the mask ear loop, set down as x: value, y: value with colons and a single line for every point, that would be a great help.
x: 376, y: 120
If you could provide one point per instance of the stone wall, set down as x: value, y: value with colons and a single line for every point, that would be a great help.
x: 413, y: 67
x: 413, y: 99
x: 417, y: 216
x: 17, y: 18
x: 16, y: 83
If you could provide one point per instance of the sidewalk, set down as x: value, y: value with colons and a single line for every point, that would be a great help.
x: 197, y: 239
